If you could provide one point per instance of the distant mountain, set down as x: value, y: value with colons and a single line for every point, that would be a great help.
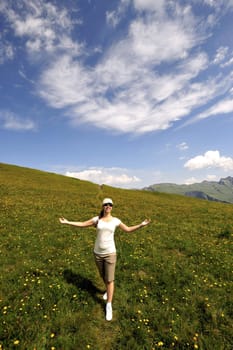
x: 221, y: 191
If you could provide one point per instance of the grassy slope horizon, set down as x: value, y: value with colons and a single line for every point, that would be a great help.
x: 173, y: 278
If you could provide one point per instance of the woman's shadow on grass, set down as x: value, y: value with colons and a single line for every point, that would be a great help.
x: 83, y: 283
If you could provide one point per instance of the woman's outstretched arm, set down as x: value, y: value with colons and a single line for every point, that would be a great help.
x: 135, y: 227
x: 87, y: 223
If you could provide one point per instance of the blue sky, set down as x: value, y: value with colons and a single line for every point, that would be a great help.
x: 127, y: 93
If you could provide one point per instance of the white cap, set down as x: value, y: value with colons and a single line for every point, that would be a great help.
x: 107, y: 200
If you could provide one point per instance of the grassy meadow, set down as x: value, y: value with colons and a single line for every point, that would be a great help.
x: 173, y: 277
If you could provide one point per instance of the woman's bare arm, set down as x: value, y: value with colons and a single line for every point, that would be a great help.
x: 87, y: 223
x: 135, y: 227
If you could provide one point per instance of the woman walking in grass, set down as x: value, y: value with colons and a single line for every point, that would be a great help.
x: 104, y: 249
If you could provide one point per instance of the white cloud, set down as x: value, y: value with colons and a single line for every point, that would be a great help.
x: 137, y: 92
x: 210, y: 159
x: 66, y: 83
x: 114, y: 17
x: 223, y: 107
x: 150, y: 5
x: 193, y: 180
x: 44, y: 26
x: 218, y: 4
x: 24, y: 76
x: 10, y: 121
x: 220, y: 54
x: 108, y: 176
x: 211, y: 177
x: 190, y: 181
x: 6, y: 51
x: 211, y: 2
x: 123, y: 91
x: 228, y: 63
x: 223, y: 57
x: 182, y: 146
x: 160, y: 37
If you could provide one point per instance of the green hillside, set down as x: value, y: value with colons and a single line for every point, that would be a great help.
x: 173, y: 278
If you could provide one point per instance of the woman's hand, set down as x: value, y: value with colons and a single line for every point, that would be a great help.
x: 63, y: 220
x: 145, y: 222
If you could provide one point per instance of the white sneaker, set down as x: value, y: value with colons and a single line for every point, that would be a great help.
x: 109, y: 312
x: 105, y: 297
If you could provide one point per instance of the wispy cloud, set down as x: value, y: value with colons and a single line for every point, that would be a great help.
x: 124, y: 91
x: 220, y: 54
x: 45, y: 27
x: 224, y: 106
x: 6, y: 50
x: 10, y: 121
x: 182, y: 146
x: 114, y: 17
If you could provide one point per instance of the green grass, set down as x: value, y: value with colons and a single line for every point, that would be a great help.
x: 173, y: 278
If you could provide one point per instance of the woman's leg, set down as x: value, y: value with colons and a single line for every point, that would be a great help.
x: 110, y: 264
x: 110, y: 291
x: 109, y: 269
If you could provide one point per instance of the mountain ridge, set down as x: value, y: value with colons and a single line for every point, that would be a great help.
x: 218, y: 191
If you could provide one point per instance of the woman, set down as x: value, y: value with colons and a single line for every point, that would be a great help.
x: 104, y: 249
